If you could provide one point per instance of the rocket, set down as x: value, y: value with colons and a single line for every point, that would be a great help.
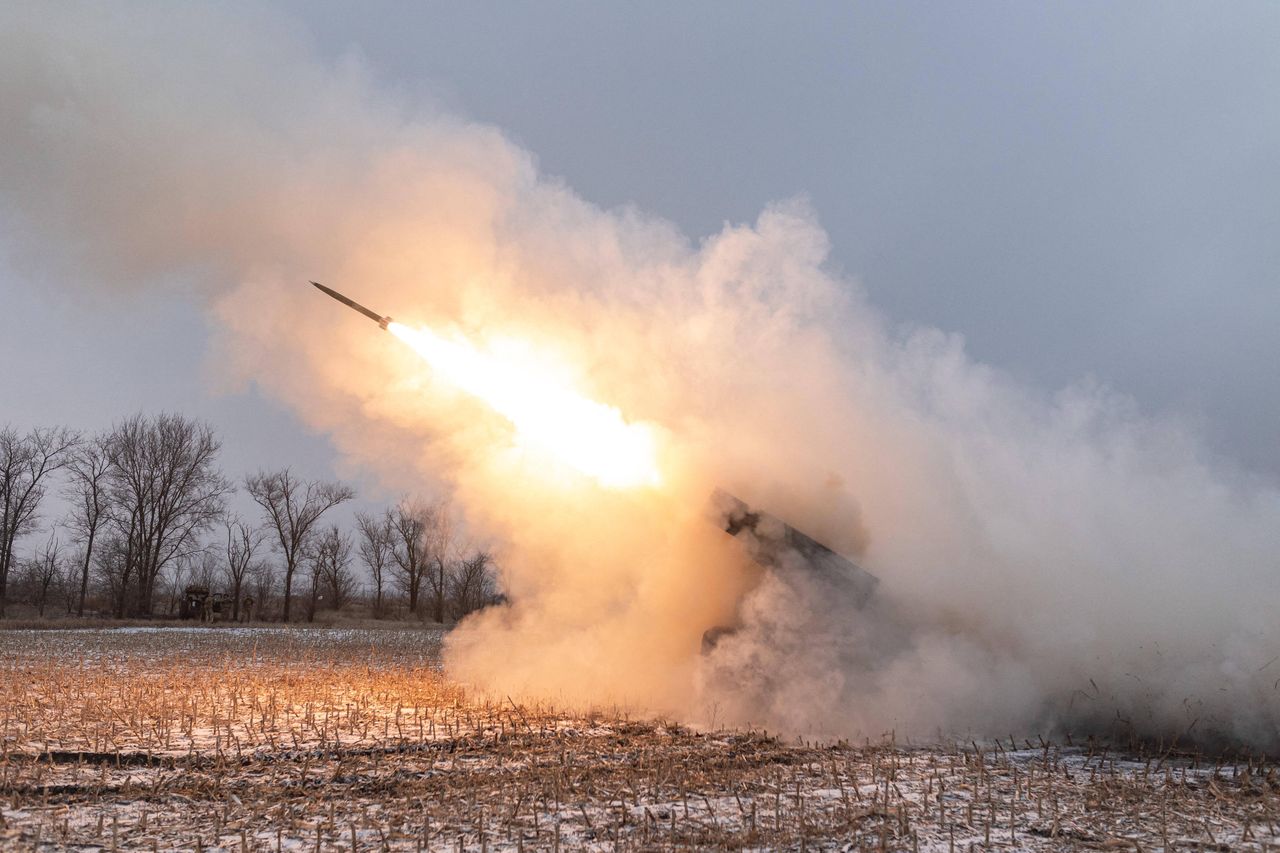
x: 382, y: 321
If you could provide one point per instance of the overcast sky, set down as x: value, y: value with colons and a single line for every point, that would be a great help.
x: 1082, y: 190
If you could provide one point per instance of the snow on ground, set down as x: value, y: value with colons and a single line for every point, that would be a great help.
x: 272, y: 738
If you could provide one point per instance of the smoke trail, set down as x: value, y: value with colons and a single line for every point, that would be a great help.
x: 1058, y: 561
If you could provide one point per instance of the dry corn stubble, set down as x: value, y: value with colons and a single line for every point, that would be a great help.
x: 265, y: 739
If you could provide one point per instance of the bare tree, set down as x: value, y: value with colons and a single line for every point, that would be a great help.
x: 204, y: 569
x: 114, y: 566
x: 472, y: 584
x: 262, y: 586
x: 242, y: 541
x: 376, y: 546
x: 90, y: 467
x: 333, y: 560
x: 68, y: 584
x: 411, y: 524
x: 25, y: 463
x: 40, y: 575
x: 166, y: 490
x: 440, y: 538
x: 315, y: 574
x: 293, y: 506
x: 43, y: 571
x: 179, y: 579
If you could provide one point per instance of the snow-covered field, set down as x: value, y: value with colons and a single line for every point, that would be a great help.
x: 265, y: 739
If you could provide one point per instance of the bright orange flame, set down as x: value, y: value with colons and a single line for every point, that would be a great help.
x: 546, y: 412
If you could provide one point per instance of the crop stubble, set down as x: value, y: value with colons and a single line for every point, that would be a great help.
x: 265, y: 739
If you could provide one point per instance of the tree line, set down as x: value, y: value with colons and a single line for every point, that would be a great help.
x: 147, y: 520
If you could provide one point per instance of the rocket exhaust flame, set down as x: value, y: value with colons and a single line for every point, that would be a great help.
x: 548, y: 415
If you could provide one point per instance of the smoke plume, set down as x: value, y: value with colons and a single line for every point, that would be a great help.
x: 1046, y: 562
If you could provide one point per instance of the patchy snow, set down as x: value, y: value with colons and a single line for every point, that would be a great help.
x: 266, y: 738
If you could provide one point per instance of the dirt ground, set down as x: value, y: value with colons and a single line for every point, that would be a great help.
x: 276, y: 739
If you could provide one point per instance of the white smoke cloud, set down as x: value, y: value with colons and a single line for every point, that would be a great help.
x: 1045, y: 562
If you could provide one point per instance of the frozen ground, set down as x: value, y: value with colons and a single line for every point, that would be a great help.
x: 265, y: 739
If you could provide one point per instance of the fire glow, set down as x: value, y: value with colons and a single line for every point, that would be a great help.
x: 547, y: 413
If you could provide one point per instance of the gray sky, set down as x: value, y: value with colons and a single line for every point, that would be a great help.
x: 1082, y: 190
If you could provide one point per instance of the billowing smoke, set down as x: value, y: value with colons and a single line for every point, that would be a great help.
x: 1045, y: 561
